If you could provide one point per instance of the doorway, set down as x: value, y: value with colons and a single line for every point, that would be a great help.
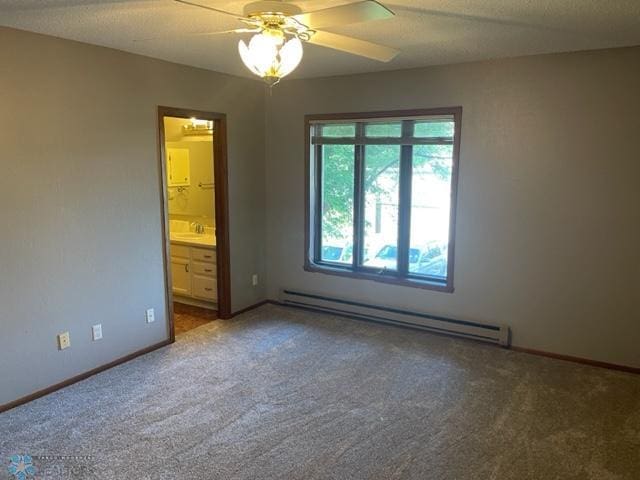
x: 195, y: 216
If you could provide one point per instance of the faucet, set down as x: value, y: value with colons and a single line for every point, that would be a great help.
x: 197, y: 227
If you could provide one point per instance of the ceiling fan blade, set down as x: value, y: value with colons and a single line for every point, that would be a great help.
x: 363, y: 11
x: 354, y: 46
x: 207, y: 7
x: 197, y: 34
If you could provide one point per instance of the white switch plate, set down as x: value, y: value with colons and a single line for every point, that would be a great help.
x: 151, y: 316
x: 254, y: 279
x: 64, y: 340
x: 96, y: 330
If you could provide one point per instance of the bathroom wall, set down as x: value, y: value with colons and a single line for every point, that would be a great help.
x: 192, y: 203
x: 81, y: 210
x: 195, y: 203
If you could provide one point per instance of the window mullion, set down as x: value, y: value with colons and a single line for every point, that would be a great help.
x: 317, y: 243
x: 404, y: 203
x: 358, y: 201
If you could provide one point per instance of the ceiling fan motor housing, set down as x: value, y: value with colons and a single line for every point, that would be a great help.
x: 271, y: 7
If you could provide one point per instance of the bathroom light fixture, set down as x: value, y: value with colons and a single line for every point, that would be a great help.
x: 196, y: 122
x: 270, y: 55
x: 198, y: 127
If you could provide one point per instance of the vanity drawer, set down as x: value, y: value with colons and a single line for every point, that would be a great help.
x: 204, y: 287
x: 181, y: 251
x: 205, y: 269
x: 203, y: 255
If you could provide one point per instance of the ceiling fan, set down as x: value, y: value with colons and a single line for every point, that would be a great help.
x: 280, y: 27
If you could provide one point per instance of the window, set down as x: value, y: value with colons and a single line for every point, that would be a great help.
x: 381, y: 195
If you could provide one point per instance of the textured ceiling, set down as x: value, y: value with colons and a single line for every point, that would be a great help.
x: 427, y: 32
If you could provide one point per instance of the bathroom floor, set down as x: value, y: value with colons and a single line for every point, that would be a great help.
x: 187, y: 317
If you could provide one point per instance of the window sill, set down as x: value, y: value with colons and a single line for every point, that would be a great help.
x: 388, y: 279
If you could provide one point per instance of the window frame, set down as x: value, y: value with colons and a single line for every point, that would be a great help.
x: 313, y: 174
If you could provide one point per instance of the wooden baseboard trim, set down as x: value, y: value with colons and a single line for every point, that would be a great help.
x: 252, y: 307
x: 102, y: 368
x: 584, y: 361
x: 131, y: 356
x: 82, y: 376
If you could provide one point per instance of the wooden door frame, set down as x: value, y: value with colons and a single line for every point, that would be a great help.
x: 221, y: 194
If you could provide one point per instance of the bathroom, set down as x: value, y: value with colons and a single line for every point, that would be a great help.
x: 190, y: 201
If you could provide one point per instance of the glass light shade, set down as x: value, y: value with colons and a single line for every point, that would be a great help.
x: 269, y: 56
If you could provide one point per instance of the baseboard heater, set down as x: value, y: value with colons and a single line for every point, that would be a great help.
x: 498, y: 334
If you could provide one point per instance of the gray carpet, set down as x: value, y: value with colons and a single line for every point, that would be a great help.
x: 284, y: 394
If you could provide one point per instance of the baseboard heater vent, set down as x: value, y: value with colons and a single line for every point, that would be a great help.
x: 498, y: 334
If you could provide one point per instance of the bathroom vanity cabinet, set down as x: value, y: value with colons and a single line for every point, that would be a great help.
x: 193, y: 273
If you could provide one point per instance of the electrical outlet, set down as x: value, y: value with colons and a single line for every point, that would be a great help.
x: 64, y: 340
x: 254, y: 279
x: 151, y: 316
x: 97, y: 332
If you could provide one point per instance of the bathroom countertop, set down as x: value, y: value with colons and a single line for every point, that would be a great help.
x: 207, y: 241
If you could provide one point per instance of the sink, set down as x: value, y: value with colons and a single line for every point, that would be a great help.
x: 203, y: 239
x: 187, y: 235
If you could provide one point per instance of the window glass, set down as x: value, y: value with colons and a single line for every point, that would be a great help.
x: 430, y: 209
x: 436, y: 128
x: 338, y: 130
x: 381, y: 195
x: 331, y: 253
x: 337, y: 203
x: 393, y: 129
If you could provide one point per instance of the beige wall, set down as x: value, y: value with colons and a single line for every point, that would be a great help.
x: 548, y: 228
x: 80, y: 217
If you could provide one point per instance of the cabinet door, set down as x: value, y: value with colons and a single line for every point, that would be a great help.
x: 205, y: 288
x: 178, y: 168
x: 206, y: 255
x: 204, y: 269
x: 180, y: 276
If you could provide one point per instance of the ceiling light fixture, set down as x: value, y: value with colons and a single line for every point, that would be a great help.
x: 280, y: 27
x: 270, y: 55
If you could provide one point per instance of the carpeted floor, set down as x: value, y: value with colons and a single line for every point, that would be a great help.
x: 284, y: 394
